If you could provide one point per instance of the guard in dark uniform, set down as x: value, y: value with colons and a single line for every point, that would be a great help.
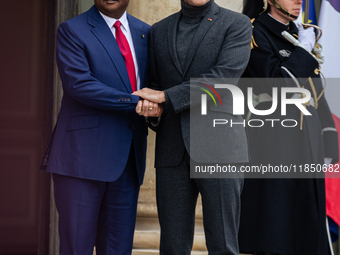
x: 286, y: 216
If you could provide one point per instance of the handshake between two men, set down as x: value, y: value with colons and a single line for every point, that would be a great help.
x: 150, y: 103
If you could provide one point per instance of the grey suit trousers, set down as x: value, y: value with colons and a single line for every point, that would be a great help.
x: 176, y: 201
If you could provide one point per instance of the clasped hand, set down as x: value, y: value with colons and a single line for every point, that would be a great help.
x: 150, y: 104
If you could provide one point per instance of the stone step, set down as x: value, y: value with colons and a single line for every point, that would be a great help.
x: 147, y: 234
x: 155, y: 251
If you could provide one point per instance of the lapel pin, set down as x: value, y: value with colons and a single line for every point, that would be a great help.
x: 143, y: 36
x: 210, y: 19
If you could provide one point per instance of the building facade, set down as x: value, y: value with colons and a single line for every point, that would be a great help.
x: 30, y: 95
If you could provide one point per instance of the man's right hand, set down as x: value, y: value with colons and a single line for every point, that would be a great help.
x: 147, y: 108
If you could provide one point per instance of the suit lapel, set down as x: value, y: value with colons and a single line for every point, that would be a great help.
x: 106, y: 38
x: 139, y: 45
x: 172, y: 36
x: 202, y: 29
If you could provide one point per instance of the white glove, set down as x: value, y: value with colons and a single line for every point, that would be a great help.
x: 306, y: 36
x: 295, y: 42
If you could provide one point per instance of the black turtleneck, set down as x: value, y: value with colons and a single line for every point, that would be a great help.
x: 187, y: 26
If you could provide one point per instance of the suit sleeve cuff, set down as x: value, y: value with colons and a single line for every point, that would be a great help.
x: 167, y: 105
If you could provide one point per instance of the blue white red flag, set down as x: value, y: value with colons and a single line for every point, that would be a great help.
x: 329, y: 22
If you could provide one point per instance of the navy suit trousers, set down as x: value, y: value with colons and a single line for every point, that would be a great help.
x: 95, y: 213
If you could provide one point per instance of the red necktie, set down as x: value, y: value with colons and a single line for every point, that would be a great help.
x: 127, y: 55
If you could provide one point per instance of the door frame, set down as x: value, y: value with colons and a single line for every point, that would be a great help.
x: 58, y: 12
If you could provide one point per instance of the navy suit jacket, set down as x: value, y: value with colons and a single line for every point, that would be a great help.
x: 97, y: 123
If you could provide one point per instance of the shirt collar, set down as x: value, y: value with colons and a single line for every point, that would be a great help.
x: 278, y: 20
x: 110, y: 21
x: 275, y: 26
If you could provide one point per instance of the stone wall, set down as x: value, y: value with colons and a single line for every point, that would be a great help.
x: 152, y: 11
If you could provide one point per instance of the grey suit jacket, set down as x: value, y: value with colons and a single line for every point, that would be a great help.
x: 220, y: 49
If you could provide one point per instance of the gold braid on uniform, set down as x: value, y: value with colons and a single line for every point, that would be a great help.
x: 253, y: 43
x: 315, y: 95
x: 317, y: 36
x: 318, y: 31
x: 316, y: 71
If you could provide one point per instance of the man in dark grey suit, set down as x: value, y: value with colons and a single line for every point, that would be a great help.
x: 203, y: 40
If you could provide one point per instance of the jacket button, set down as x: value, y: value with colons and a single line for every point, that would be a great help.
x: 129, y: 99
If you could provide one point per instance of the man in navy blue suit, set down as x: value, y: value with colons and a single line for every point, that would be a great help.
x: 98, y: 148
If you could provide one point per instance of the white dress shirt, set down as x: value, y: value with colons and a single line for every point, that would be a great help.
x: 126, y: 31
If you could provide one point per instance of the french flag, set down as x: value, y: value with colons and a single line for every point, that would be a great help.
x: 333, y: 196
x: 329, y: 22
